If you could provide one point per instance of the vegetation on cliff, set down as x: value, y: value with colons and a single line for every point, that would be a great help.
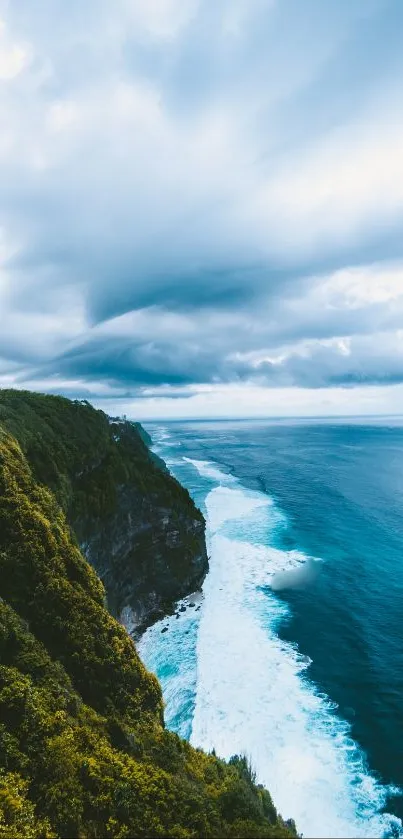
x: 83, y: 749
x: 83, y: 456
x: 135, y: 523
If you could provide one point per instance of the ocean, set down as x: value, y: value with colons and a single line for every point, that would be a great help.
x: 294, y: 653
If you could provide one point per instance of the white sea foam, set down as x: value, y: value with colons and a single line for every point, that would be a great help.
x: 253, y: 695
x: 206, y: 469
x: 162, y: 439
x: 169, y: 649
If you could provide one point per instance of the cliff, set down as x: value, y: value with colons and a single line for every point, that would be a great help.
x: 133, y: 521
x: 83, y: 749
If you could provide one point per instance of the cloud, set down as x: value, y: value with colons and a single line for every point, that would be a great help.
x: 160, y: 20
x: 253, y: 401
x: 344, y: 329
x: 200, y: 195
x: 377, y: 359
x: 14, y: 56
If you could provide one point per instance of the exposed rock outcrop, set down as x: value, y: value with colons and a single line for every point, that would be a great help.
x: 148, y: 554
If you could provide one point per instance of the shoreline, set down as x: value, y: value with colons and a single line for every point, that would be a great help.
x: 177, y: 607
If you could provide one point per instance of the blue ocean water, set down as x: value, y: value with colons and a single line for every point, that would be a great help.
x: 294, y: 655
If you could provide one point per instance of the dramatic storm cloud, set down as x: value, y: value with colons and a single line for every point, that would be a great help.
x: 201, y: 204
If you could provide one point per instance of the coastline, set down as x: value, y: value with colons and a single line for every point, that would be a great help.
x: 176, y: 607
x: 231, y: 677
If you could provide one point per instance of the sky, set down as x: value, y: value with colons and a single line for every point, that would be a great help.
x: 201, y: 205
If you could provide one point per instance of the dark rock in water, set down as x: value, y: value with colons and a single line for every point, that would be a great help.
x: 182, y: 609
x: 165, y: 629
x: 177, y: 616
x: 198, y: 609
x: 192, y: 604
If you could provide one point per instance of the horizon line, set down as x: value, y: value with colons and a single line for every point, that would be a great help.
x: 272, y: 418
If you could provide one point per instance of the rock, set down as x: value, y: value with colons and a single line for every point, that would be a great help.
x: 148, y: 551
x: 192, y: 604
x: 182, y: 609
x: 165, y: 629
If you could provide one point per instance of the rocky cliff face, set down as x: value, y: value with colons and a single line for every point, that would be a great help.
x: 148, y: 552
x: 134, y: 522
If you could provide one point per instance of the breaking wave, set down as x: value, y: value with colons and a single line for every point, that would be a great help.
x: 231, y: 683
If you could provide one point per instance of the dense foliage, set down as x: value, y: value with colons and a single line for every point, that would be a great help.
x: 83, y: 749
x: 83, y: 457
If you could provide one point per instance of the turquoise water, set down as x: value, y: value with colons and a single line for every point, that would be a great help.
x: 295, y: 656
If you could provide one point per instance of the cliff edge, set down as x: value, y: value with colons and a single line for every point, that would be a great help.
x: 136, y: 525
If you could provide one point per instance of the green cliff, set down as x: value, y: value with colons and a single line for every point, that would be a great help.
x: 83, y: 748
x: 133, y: 521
